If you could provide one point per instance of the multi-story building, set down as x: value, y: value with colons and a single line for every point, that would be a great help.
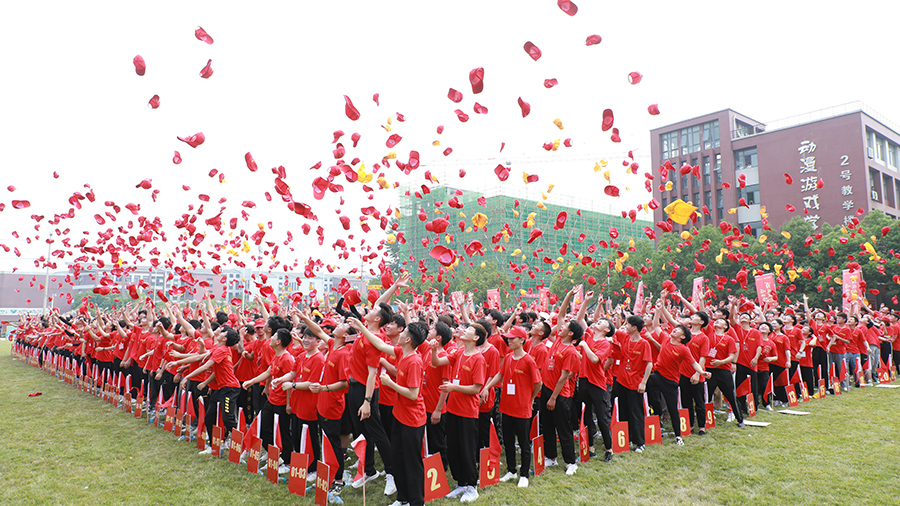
x: 822, y: 166
x: 583, y: 227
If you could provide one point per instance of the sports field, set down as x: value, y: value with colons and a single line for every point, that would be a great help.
x: 67, y: 447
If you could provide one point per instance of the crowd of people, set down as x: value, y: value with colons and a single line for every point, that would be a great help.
x: 404, y: 375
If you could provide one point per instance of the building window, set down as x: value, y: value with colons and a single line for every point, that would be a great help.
x: 669, y: 143
x: 696, y: 200
x: 690, y: 139
x: 745, y: 158
x: 888, y: 186
x: 706, y: 170
x: 741, y: 129
x: 684, y: 183
x: 874, y: 185
x: 707, y: 199
x: 720, y: 204
x: 665, y: 202
x: 879, y: 149
x: 711, y: 134
x: 892, y: 153
x: 750, y: 194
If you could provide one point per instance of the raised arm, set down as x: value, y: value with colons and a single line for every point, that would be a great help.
x: 379, y: 345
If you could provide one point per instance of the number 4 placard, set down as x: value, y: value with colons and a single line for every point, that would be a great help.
x: 538, y: 444
x: 435, y: 479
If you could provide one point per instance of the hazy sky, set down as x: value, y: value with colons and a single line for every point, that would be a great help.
x: 73, y: 103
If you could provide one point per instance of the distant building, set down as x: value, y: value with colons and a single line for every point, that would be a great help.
x: 502, y: 209
x: 840, y: 159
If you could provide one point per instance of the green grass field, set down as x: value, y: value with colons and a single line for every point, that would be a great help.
x: 67, y: 447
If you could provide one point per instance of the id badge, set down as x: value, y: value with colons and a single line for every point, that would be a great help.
x: 510, y: 389
x: 456, y: 381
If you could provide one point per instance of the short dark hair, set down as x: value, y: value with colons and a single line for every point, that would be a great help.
x: 443, y: 331
x: 221, y: 317
x: 283, y: 336
x: 767, y: 324
x: 277, y: 323
x: 481, y: 332
x: 385, y: 313
x: 703, y: 316
x: 487, y: 327
x: 497, y: 316
x: 399, y: 320
x: 546, y: 328
x: 165, y: 322
x: 231, y: 337
x: 687, y: 333
x: 725, y: 312
x: 576, y: 330
x: 636, y: 321
x: 418, y: 332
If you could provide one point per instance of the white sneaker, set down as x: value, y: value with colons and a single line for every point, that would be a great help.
x: 679, y: 441
x: 470, y: 495
x: 244, y: 456
x: 506, y: 477
x: 311, y: 477
x: 639, y: 449
x: 571, y: 469
x: 207, y: 451
x: 549, y: 462
x: 398, y: 503
x: 730, y: 416
x: 353, y: 465
x: 282, y: 469
x: 458, y: 491
x: 390, y: 487
x: 523, y: 482
x: 359, y: 483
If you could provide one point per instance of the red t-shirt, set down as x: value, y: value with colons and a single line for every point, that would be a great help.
x: 138, y: 345
x: 281, y: 365
x: 467, y: 370
x: 795, y: 336
x: 331, y: 403
x: 245, y: 369
x: 497, y: 341
x: 410, y: 374
x: 563, y: 357
x: 594, y: 372
x: 858, y: 343
x: 103, y: 355
x: 893, y: 330
x: 672, y: 358
x: 539, y: 353
x: 823, y: 334
x: 492, y: 360
x: 306, y: 368
x: 873, y: 336
x: 721, y: 347
x: 749, y: 342
x: 699, y: 347
x: 840, y: 332
x: 782, y: 348
x: 121, y: 344
x: 434, y: 377
x: 223, y: 368
x: 519, y: 377
x: 633, y: 357
x: 387, y: 396
x: 768, y: 350
x: 362, y: 356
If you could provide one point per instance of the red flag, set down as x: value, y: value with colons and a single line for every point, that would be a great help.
x: 169, y: 403
x: 306, y: 442
x: 843, y: 370
x: 252, y: 431
x: 495, y: 445
x: 768, y: 390
x: 189, y: 406
x: 219, y: 409
x: 201, y: 420
x: 782, y: 379
x: 744, y: 388
x: 359, y: 448
x: 242, y: 422
x: 795, y: 379
x: 329, y: 457
x: 534, y: 426
x: 182, y: 405
x: 277, y: 433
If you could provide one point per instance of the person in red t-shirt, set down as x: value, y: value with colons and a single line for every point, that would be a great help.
x: 520, y: 382
x: 670, y: 363
x: 276, y: 404
x: 408, y: 431
x: 595, y: 350
x: 302, y: 402
x: 837, y: 349
x: 749, y: 349
x: 766, y: 356
x: 462, y: 408
x: 556, y: 395
x: 435, y: 400
x: 780, y: 367
x: 632, y: 354
x: 723, y: 352
x: 224, y: 387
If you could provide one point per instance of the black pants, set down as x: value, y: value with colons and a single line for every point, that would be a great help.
x: 791, y: 371
x: 387, y: 417
x: 259, y: 399
x: 721, y: 379
x: 227, y: 397
x: 692, y: 399
x: 659, y: 385
x: 117, y: 366
x: 741, y: 374
x: 370, y: 427
x: 808, y: 376
x: 297, y: 432
x: 155, y: 388
x: 631, y: 408
x: 137, y: 379
x: 245, y: 401
x: 820, y: 367
x: 484, y: 432
x: 332, y: 429
x: 597, y: 400
x: 193, y: 388
x: 557, y: 422
x: 886, y: 350
x: 779, y: 391
x: 406, y: 443
x: 267, y: 429
x: 517, y: 428
x: 437, y: 437
x: 462, y: 437
x: 762, y: 379
x: 168, y: 387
